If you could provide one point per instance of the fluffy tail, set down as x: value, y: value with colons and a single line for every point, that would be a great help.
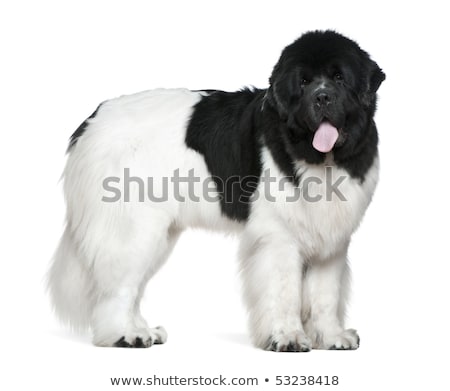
x: 69, y: 285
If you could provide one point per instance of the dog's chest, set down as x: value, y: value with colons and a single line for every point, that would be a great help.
x: 325, y: 208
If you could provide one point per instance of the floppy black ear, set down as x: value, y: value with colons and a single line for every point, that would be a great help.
x: 375, y: 77
x: 283, y: 92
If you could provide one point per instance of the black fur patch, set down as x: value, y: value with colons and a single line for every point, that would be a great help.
x: 362, y: 156
x: 222, y: 128
x: 139, y: 343
x: 81, y: 129
x: 121, y: 343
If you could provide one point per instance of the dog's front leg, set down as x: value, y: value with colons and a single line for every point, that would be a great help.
x: 272, y: 277
x: 325, y: 290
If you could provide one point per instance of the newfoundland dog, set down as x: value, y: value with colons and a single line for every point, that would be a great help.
x: 291, y: 168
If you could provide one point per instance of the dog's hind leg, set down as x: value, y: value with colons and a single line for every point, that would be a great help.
x: 121, y: 269
x: 158, y: 335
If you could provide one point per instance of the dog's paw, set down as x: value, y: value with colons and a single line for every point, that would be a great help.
x: 142, y: 338
x: 291, y: 342
x: 346, y: 340
x: 133, y: 342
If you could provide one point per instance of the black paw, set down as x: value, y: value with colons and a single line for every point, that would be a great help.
x: 137, y: 343
x: 289, y: 347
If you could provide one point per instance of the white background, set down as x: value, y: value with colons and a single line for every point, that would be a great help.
x: 60, y: 59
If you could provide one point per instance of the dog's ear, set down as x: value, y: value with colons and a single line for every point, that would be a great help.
x: 374, y: 79
x: 284, y: 91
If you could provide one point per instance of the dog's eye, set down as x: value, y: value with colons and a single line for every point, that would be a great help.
x: 338, y: 76
x: 304, y: 82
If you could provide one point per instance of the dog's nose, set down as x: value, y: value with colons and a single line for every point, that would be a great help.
x: 322, y: 98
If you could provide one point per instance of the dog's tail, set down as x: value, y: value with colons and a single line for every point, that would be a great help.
x: 69, y: 285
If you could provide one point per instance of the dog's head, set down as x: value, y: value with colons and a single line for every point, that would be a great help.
x: 324, y: 89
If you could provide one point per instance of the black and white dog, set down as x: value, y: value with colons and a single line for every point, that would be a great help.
x: 258, y: 162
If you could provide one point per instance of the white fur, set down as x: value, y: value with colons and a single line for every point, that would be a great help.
x: 303, y: 234
x: 110, y: 250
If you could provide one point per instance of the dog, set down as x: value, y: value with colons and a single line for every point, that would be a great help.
x: 291, y: 169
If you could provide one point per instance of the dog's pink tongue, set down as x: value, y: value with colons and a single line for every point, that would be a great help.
x: 325, y: 137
